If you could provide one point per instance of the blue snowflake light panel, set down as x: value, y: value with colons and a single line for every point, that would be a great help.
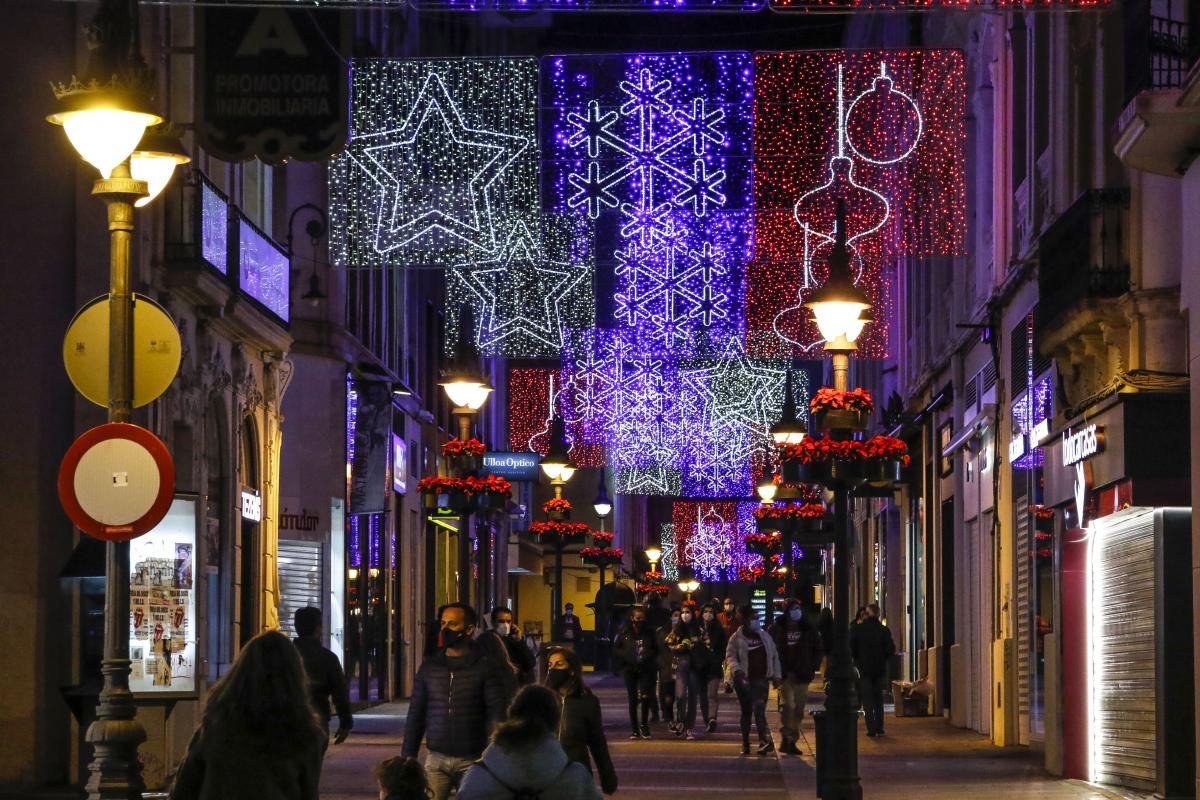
x: 656, y: 151
x: 590, y: 5
x: 442, y: 160
x: 539, y: 284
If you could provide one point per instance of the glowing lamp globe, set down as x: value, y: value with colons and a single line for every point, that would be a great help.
x: 602, y: 509
x: 467, y: 393
x: 653, y: 554
x: 154, y: 161
x: 766, y: 491
x: 791, y: 428
x: 104, y: 125
x: 837, y: 313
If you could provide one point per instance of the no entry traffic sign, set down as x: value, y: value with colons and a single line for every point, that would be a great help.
x: 116, y: 481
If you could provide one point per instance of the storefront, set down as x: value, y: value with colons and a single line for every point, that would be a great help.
x: 1116, y: 508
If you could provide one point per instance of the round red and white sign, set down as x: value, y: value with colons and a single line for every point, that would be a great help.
x: 116, y: 481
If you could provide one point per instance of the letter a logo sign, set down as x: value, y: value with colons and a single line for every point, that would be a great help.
x: 272, y: 31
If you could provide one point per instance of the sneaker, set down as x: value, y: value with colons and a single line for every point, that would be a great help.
x: 634, y: 735
x: 872, y: 734
x: 789, y: 749
x: 645, y: 731
x: 712, y: 726
x: 691, y: 737
x: 680, y: 732
x: 745, y: 747
x: 766, y: 748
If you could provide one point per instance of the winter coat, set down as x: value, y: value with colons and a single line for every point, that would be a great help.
x: 581, y: 734
x: 801, y: 661
x: 514, y: 658
x: 686, y: 641
x: 666, y: 661
x: 541, y: 767
x: 234, y: 765
x: 454, y: 710
x: 872, y: 647
x: 325, y: 680
x: 715, y: 642
x: 737, y: 656
x: 625, y: 648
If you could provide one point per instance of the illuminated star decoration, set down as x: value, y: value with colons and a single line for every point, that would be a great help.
x: 661, y: 164
x: 524, y: 298
x: 443, y: 154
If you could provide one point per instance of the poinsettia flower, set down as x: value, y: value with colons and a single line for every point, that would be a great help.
x: 458, y: 447
x: 556, y: 505
x: 828, y: 399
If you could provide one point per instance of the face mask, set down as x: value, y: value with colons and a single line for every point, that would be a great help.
x: 708, y: 617
x: 557, y: 678
x: 754, y: 625
x: 795, y: 614
x: 674, y: 620
x: 452, y: 638
x: 570, y: 611
x: 686, y: 617
x: 503, y: 628
x: 728, y: 608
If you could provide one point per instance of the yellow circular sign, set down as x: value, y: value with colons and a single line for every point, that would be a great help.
x: 156, y: 350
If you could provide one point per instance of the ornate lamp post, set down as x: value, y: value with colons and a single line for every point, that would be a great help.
x: 468, y: 389
x: 559, y: 468
x: 106, y: 119
x: 603, y: 506
x: 838, y: 307
x: 688, y: 586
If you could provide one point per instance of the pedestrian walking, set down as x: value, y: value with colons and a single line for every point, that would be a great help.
x: 259, y: 738
x: 872, y: 647
x: 713, y: 673
x: 401, y: 778
x: 326, y: 681
x: 687, y: 653
x: 581, y: 724
x: 799, y: 650
x: 457, y: 698
x: 728, y: 617
x: 657, y: 617
x: 505, y: 646
x: 635, y: 653
x: 666, y: 671
x: 525, y: 761
x: 570, y: 630
x: 752, y: 664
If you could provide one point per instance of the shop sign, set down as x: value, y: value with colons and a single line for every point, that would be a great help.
x: 399, y: 464
x: 513, y: 466
x: 271, y: 84
x: 1016, y: 447
x: 251, y: 506
x: 1039, y: 433
x: 1081, y: 444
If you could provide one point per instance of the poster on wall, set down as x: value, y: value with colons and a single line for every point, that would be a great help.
x: 162, y: 604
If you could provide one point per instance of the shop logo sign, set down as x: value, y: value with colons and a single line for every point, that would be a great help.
x: 251, y: 506
x: 1081, y: 444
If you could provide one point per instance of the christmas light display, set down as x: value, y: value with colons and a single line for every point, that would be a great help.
x: 1035, y: 406
x: 532, y: 393
x: 668, y: 563
x: 442, y: 160
x: 656, y: 150
x: 539, y: 284
x: 903, y: 5
x: 590, y: 5
x: 710, y: 537
x: 883, y: 131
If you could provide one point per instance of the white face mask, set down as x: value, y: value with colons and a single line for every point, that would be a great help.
x: 729, y: 609
x: 503, y: 628
x: 674, y: 620
x: 686, y: 617
x: 795, y: 614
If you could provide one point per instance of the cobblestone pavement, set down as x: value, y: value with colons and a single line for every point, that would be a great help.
x: 921, y: 758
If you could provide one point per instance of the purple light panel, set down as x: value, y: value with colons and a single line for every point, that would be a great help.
x: 263, y: 270
x: 214, y: 228
x: 656, y: 151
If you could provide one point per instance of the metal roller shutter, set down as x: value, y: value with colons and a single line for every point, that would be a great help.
x: 299, y: 579
x: 1124, y: 730
x: 1024, y: 637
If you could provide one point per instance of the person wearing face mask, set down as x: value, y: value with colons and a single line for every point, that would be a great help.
x: 715, y: 641
x: 751, y: 664
x: 666, y: 670
x: 686, y: 643
x: 635, y: 651
x: 728, y: 617
x: 504, y: 646
x: 457, y: 699
x: 581, y: 725
x: 799, y: 656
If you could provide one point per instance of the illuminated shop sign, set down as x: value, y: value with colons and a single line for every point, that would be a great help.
x: 513, y: 466
x: 1016, y: 447
x: 1081, y: 444
x: 251, y: 506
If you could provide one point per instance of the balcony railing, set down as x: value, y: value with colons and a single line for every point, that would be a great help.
x: 1158, y: 50
x: 1083, y: 255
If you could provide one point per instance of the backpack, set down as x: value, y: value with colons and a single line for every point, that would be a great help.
x: 524, y: 793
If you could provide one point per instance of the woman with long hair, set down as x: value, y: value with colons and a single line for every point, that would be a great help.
x: 524, y: 758
x: 259, y: 738
x: 581, y: 729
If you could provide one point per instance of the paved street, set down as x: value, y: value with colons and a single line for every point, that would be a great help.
x: 919, y: 758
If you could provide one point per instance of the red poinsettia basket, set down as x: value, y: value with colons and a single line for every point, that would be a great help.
x: 885, y: 459
x: 602, y: 556
x: 834, y: 410
x: 653, y: 588
x: 763, y: 543
x: 557, y: 509
x: 464, y: 447
x: 559, y: 534
x: 448, y: 493
x: 751, y: 574
x: 602, y: 539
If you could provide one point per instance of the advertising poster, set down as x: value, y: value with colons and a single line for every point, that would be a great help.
x: 162, y: 603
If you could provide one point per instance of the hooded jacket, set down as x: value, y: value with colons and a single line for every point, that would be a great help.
x: 802, y: 658
x: 581, y: 734
x: 872, y: 646
x: 454, y: 710
x: 541, y: 767
x: 737, y: 655
x: 627, y: 644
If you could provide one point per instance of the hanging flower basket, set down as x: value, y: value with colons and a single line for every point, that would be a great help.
x: 557, y: 509
x: 602, y: 556
x: 832, y: 410
x: 448, y: 493
x: 840, y: 420
x: 767, y: 542
x: 751, y: 574
x: 602, y: 539
x: 559, y: 534
x: 653, y: 588
x: 464, y: 455
x: 879, y: 472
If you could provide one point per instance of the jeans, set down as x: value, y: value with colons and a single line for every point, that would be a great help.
x: 689, y: 688
x: 870, y: 690
x: 666, y: 699
x: 639, y: 687
x: 713, y: 695
x: 752, y: 697
x: 445, y: 773
x: 793, y: 696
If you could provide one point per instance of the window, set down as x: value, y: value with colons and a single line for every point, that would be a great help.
x: 257, y: 188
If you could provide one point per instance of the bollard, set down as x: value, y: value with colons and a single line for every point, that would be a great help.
x: 819, y: 750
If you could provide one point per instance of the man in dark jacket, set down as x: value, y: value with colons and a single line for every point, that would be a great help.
x: 799, y: 656
x: 570, y: 629
x: 635, y: 651
x: 872, y: 647
x: 457, y: 698
x: 504, y: 646
x: 325, y: 677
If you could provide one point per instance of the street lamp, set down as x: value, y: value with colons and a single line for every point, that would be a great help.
x: 653, y: 555
x: 154, y: 160
x: 690, y: 585
x: 838, y: 307
x: 105, y: 118
x: 767, y: 491
x: 557, y: 464
x: 602, y: 505
x: 463, y: 379
x: 791, y: 428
